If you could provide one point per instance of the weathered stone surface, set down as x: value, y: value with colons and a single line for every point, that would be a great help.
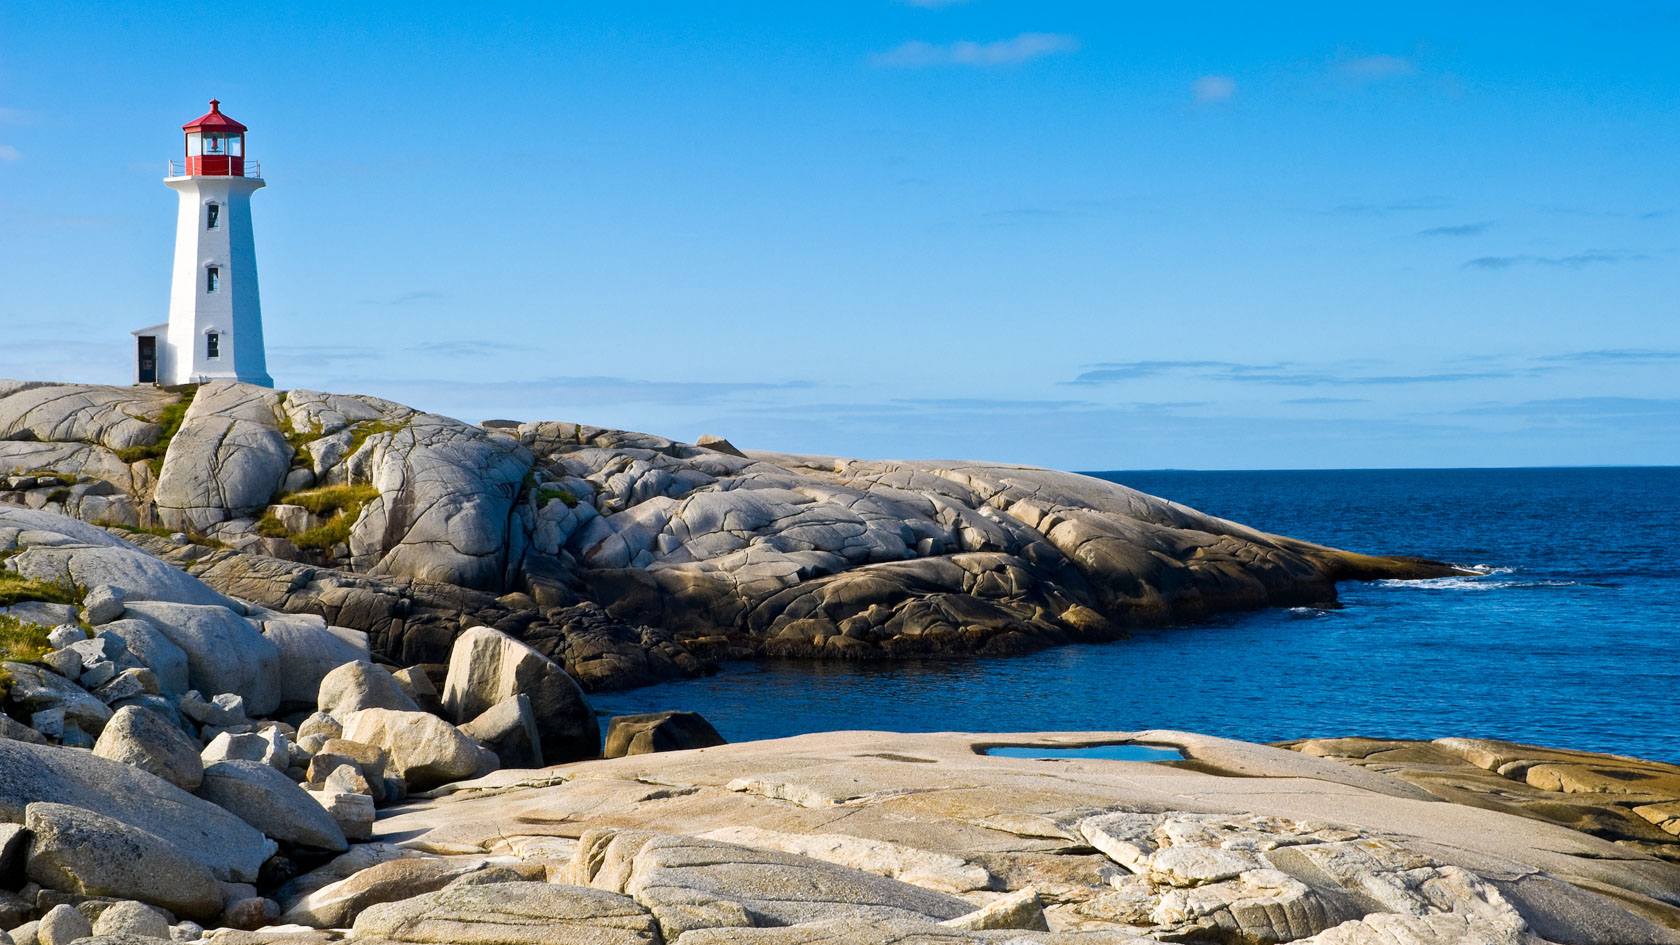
x: 82, y: 852
x: 692, y: 883
x: 266, y: 747
x: 658, y: 731
x: 41, y: 690
x: 496, y: 914
x: 337, y: 905
x: 62, y: 925
x: 156, y: 651
x: 227, y: 460
x: 509, y: 728
x: 272, y: 803
x: 487, y: 667
x: 446, y: 497
x: 309, y: 650
x: 354, y: 686
x: 59, y: 548
x: 353, y: 812
x: 1251, y: 844
x: 103, y: 604
x: 146, y: 740
x: 1019, y: 910
x: 423, y: 749
x: 132, y: 918
x: 225, y: 651
x: 113, y: 417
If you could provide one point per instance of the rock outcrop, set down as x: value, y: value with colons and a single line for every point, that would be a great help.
x: 624, y: 557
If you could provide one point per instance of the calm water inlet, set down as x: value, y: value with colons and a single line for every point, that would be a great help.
x: 1567, y: 635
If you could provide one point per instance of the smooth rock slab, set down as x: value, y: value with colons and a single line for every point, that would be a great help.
x: 146, y: 740
x: 272, y: 803
x: 89, y: 854
x: 509, y: 913
x: 692, y: 883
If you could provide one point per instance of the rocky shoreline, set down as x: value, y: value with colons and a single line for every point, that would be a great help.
x: 629, y: 558
x: 180, y: 765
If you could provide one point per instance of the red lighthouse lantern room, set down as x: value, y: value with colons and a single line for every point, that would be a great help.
x: 215, y: 145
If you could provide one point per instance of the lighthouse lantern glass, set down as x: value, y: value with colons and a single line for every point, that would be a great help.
x: 195, y: 144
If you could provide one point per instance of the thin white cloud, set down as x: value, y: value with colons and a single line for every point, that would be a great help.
x: 1023, y: 48
x: 1380, y: 66
x: 1213, y: 88
x: 9, y: 153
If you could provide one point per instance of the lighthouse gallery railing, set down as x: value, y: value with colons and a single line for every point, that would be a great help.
x: 253, y: 169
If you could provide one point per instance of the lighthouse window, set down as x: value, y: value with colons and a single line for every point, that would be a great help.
x: 213, y: 144
x: 212, y: 278
x: 213, y: 345
x: 213, y: 216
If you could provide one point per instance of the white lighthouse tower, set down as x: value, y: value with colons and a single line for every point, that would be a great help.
x: 214, y: 330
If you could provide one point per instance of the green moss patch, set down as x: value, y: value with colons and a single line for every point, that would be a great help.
x: 551, y: 493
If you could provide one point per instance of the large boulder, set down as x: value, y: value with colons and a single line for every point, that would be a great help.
x: 88, y: 854
x: 148, y: 741
x: 222, y: 843
x: 131, y: 918
x: 509, y: 728
x: 487, y: 666
x: 360, y: 685
x: 227, y: 460
x: 271, y: 802
x: 309, y: 649
x: 225, y: 651
x: 658, y: 731
x: 447, y: 492
x: 424, y: 750
x: 526, y: 913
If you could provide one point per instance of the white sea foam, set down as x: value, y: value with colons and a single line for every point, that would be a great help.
x: 1478, y: 583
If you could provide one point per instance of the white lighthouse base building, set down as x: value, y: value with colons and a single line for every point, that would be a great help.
x: 214, y: 330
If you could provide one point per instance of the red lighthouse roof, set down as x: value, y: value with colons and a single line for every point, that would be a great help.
x: 213, y: 120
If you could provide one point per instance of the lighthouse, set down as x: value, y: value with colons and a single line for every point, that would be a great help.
x: 214, y: 330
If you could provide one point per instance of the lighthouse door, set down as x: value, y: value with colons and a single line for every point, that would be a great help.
x: 148, y: 359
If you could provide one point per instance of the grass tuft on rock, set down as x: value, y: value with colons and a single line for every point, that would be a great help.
x: 170, y: 419
x: 361, y: 433
x: 343, y: 503
x: 22, y: 642
x: 551, y: 493
x: 16, y: 589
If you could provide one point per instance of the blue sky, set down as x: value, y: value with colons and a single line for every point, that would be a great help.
x: 1089, y: 235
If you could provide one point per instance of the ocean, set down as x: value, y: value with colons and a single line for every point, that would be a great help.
x: 1568, y: 635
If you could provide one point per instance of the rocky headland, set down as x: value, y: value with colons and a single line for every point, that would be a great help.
x: 295, y: 668
x: 628, y: 558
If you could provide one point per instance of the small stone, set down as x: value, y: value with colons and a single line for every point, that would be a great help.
x: 251, y: 914
x: 354, y: 813
x: 128, y: 684
x: 1019, y: 910
x: 186, y: 932
x: 62, y: 925
x: 356, y: 686
x: 131, y: 918
x: 147, y: 741
x: 26, y: 934
x: 62, y: 636
x: 658, y: 731
x: 98, y: 674
x: 248, y: 746
x: 103, y: 604
x: 49, y: 722
x: 65, y: 662
x: 319, y: 723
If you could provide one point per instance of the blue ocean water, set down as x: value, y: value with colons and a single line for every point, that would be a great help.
x: 1570, y: 637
